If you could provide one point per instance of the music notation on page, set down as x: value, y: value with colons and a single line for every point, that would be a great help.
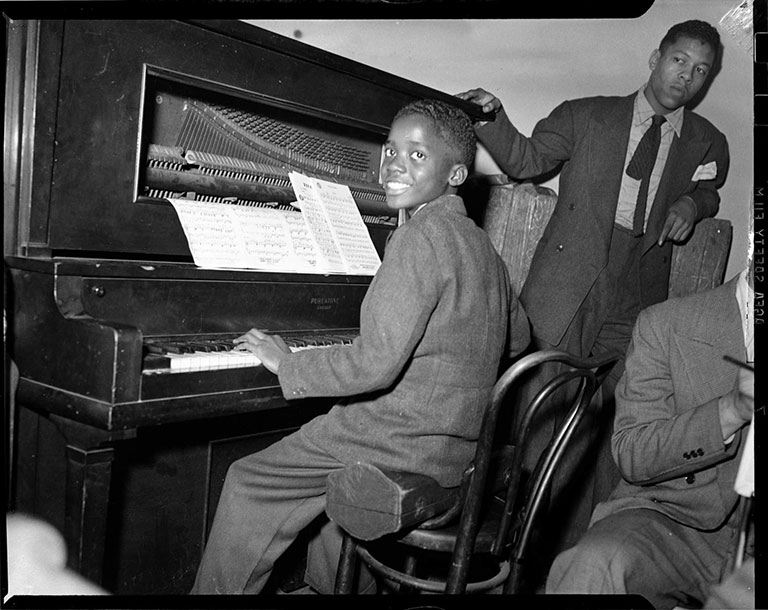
x: 325, y: 234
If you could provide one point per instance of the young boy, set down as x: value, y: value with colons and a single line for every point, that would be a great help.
x: 433, y: 327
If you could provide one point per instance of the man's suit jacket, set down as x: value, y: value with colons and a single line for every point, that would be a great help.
x: 589, y: 137
x: 667, y: 439
x: 433, y: 328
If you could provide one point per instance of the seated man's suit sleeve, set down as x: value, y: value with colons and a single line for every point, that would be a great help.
x: 660, y: 431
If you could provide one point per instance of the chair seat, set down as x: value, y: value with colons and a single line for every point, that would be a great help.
x: 369, y: 503
x: 434, y: 548
x: 444, y: 539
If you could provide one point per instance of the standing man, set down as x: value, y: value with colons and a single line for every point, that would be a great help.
x: 637, y: 173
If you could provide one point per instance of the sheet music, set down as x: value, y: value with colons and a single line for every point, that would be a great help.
x: 327, y: 235
x: 317, y: 223
x: 303, y: 244
x: 348, y: 227
x: 336, y: 224
x: 221, y: 235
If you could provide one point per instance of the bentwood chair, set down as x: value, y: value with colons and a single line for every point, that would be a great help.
x: 401, y: 525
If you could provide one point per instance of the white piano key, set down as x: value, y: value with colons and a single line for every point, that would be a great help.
x: 207, y: 361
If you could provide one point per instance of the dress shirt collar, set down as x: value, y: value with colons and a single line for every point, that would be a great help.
x: 453, y: 203
x: 643, y: 112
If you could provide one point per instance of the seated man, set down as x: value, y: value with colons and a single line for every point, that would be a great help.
x: 433, y: 328
x: 669, y: 530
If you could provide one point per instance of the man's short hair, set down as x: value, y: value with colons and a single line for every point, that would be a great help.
x: 451, y: 123
x: 698, y: 30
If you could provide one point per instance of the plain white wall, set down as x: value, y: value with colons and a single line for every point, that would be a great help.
x: 533, y: 65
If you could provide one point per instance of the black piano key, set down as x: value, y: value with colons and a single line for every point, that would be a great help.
x: 198, y: 346
x: 336, y: 339
x: 179, y: 348
x: 223, y: 346
x: 155, y: 362
x: 176, y: 348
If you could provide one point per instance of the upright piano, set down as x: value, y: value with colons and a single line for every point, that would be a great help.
x: 105, y: 121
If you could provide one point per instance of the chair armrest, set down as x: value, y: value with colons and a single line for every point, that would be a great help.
x: 368, y: 502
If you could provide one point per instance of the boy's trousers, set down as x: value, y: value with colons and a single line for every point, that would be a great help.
x: 268, y: 498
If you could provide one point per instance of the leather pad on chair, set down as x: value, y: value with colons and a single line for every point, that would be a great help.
x: 368, y: 502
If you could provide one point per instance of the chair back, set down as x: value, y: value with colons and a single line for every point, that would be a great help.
x: 493, y: 512
x: 586, y: 375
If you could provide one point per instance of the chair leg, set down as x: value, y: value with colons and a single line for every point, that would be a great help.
x: 512, y: 585
x: 345, y: 574
x: 410, y: 569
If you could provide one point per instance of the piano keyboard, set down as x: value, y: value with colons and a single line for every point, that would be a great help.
x: 175, y: 356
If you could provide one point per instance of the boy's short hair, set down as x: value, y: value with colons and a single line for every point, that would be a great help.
x: 698, y: 30
x: 451, y: 123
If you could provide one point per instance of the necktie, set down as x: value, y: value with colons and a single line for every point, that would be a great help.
x: 640, y: 168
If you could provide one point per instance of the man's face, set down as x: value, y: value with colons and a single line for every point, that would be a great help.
x: 678, y: 73
x: 417, y: 166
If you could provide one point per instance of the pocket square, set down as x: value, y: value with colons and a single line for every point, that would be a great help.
x: 705, y: 172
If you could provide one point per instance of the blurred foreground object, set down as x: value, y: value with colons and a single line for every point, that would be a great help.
x: 736, y: 591
x: 37, y: 559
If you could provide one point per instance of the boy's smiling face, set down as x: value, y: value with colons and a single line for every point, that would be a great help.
x: 418, y: 165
